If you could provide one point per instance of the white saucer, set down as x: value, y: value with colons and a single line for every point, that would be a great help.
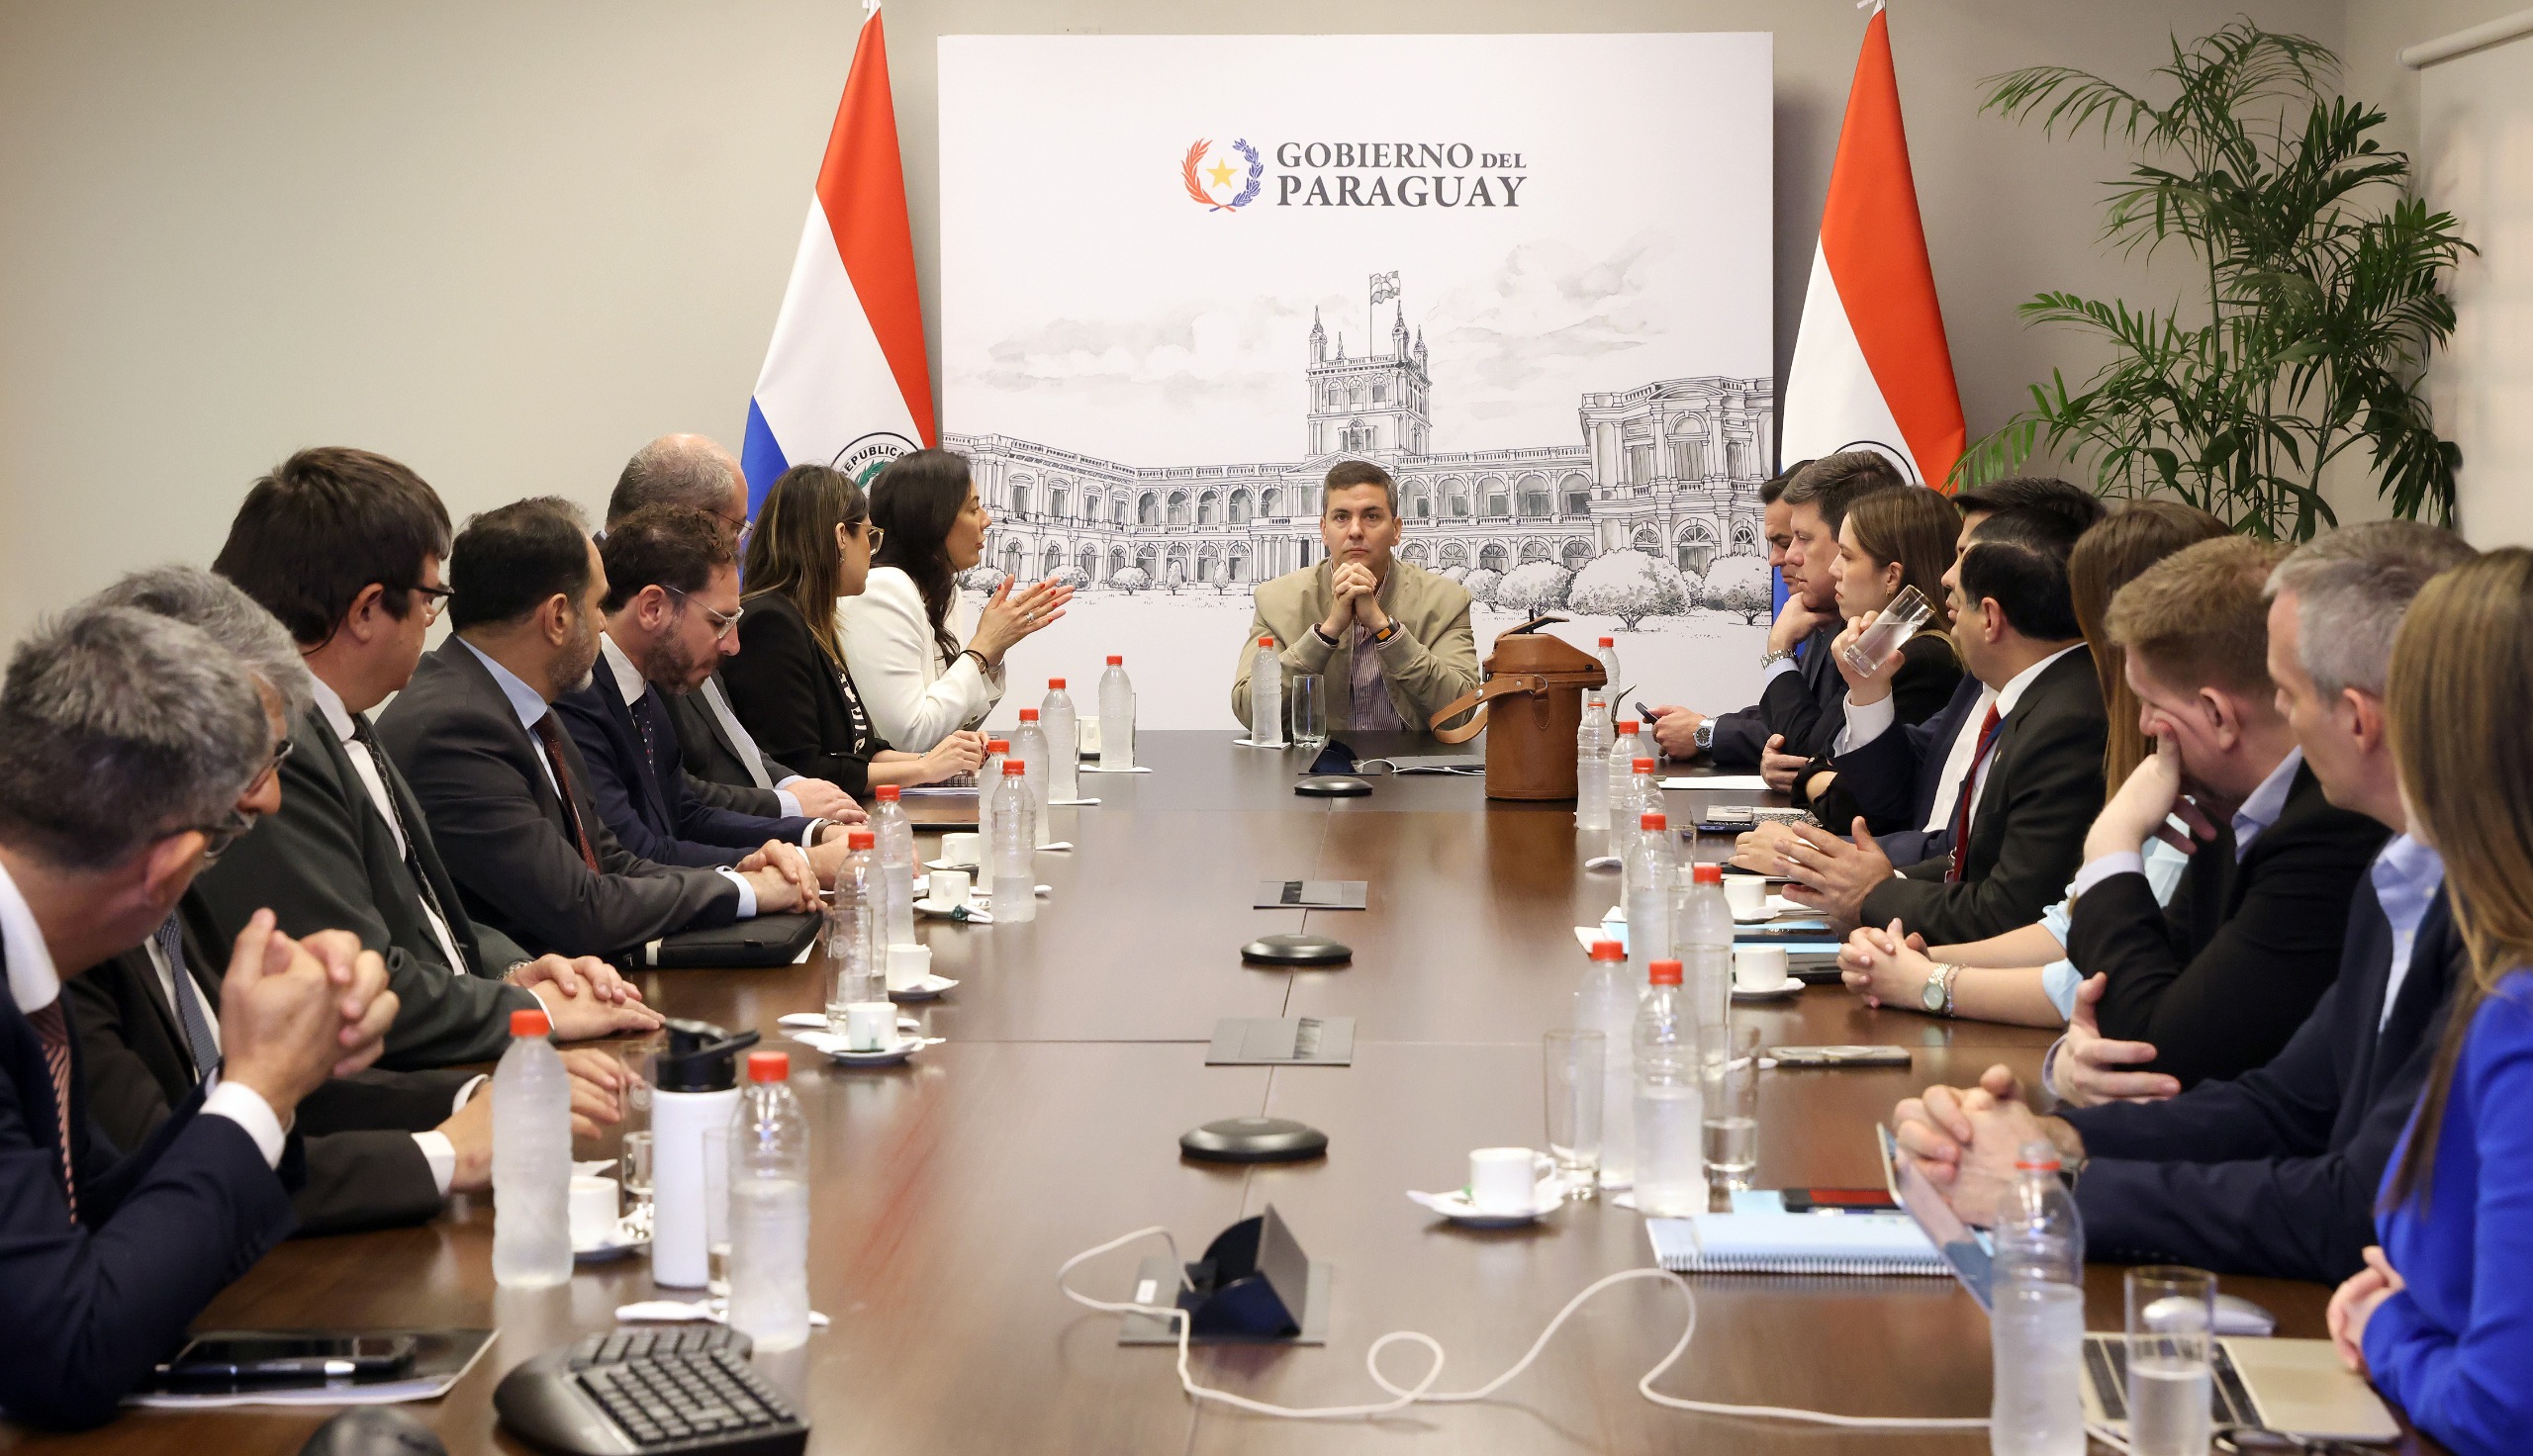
x: 968, y: 914
x: 927, y: 989
x: 812, y: 1021
x: 1550, y: 1195
x: 947, y: 865
x: 631, y: 1234
x: 831, y: 1046
x: 1779, y: 992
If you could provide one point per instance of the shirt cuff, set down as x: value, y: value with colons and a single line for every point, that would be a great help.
x: 441, y: 1154
x: 810, y: 835
x: 1866, y: 721
x: 786, y: 800
x: 247, y: 1107
x: 747, y: 892
x: 2095, y: 871
x: 2058, y: 981
x: 465, y: 1091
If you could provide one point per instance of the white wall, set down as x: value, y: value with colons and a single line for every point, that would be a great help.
x: 507, y: 242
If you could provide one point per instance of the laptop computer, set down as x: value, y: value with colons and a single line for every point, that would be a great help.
x: 2293, y: 1385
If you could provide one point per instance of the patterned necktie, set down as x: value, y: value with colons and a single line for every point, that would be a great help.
x: 189, y: 1011
x: 54, y: 1033
x: 1962, y: 799
x: 550, y: 733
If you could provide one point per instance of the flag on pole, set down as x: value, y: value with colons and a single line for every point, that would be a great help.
x: 1871, y: 366
x: 1385, y: 285
x: 846, y: 382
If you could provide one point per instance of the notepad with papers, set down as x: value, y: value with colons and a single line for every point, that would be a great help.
x: 1794, y: 1243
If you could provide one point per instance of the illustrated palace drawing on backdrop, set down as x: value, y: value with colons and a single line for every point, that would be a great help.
x: 1672, y: 468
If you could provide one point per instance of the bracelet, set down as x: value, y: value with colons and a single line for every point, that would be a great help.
x: 1317, y: 631
x: 982, y: 665
x: 1382, y: 637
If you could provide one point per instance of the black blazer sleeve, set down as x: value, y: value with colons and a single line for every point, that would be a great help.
x: 1930, y: 670
x: 783, y: 688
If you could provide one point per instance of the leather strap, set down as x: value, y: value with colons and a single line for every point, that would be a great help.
x: 1495, y: 687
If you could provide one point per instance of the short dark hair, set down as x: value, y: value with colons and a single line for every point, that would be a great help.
x: 2079, y: 507
x: 2019, y: 559
x: 663, y: 546
x: 509, y: 560
x: 1774, y: 486
x: 321, y: 526
x: 1346, y: 474
x: 1833, y: 482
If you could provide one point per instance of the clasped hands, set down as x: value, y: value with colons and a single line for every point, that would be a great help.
x: 295, y: 1012
x: 589, y: 998
x: 1357, y: 594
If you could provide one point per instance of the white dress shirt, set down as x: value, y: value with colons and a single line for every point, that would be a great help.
x: 35, y: 984
x: 913, y: 700
x: 1869, y: 721
x: 2407, y: 875
x: 329, y: 703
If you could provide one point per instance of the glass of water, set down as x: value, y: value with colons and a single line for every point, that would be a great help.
x: 634, y: 1167
x: 1899, y: 622
x: 1307, y: 699
x: 1730, y: 1067
x: 1573, y: 1064
x: 716, y: 1210
x: 2172, y: 1327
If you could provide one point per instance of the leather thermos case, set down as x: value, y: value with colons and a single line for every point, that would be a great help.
x: 1530, y: 704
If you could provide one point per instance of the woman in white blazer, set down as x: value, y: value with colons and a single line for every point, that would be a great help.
x: 903, y: 635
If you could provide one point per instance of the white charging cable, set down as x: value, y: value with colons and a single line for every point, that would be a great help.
x: 1423, y: 1390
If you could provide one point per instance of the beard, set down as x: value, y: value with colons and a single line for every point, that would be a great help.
x: 669, y: 668
x: 581, y: 657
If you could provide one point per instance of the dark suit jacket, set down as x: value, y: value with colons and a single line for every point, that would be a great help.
x: 1925, y: 687
x: 363, y: 1168
x: 2275, y: 1173
x: 2028, y: 836
x: 1894, y: 779
x: 708, y: 752
x: 649, y: 802
x: 327, y: 860
x: 799, y: 706
x: 1802, y: 706
x: 479, y: 777
x: 2220, y: 981
x: 87, y: 1308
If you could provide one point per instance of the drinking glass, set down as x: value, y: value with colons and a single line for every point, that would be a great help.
x: 716, y: 1210
x: 1730, y: 1070
x: 1907, y: 612
x: 1573, y: 1065
x: 633, y: 1165
x: 2172, y: 1326
x: 1307, y: 699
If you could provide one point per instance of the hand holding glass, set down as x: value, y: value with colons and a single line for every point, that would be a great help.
x: 1899, y: 622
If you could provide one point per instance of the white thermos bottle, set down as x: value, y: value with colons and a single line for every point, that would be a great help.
x: 696, y: 1089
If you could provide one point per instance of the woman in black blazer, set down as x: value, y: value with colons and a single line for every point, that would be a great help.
x: 788, y: 683
x: 1893, y: 540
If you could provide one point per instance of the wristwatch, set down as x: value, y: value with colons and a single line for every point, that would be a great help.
x: 1936, y: 998
x: 1770, y: 660
x: 1704, y: 736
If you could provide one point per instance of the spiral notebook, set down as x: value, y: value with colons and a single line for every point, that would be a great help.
x: 1752, y: 1242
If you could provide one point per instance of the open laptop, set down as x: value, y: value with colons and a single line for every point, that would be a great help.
x: 2293, y: 1385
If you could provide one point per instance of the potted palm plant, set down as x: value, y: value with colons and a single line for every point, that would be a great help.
x: 2323, y: 294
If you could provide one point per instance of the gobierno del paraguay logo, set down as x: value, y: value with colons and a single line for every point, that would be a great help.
x: 1213, y: 186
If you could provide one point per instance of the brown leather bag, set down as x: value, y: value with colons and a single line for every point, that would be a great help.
x: 1533, y: 698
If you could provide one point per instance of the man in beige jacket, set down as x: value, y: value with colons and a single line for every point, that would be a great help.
x: 1392, y: 638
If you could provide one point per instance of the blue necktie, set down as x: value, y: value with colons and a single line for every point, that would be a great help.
x: 189, y: 1012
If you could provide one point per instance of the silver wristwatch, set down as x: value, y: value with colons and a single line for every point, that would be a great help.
x: 1936, y: 998
x: 1770, y: 660
x: 1704, y: 735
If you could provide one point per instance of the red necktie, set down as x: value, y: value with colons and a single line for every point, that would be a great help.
x: 552, y: 737
x: 54, y: 1033
x: 1961, y: 800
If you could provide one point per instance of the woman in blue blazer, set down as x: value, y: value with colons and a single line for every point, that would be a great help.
x: 2442, y: 1318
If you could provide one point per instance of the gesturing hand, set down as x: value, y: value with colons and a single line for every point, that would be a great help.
x: 1831, y: 874
x: 2090, y: 1066
x: 1010, y: 616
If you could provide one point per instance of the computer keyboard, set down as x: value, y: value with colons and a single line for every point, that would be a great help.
x: 650, y: 1392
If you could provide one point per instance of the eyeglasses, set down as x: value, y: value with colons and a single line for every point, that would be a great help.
x: 871, y: 536
x: 434, y: 600
x: 233, y: 826
x: 722, y: 624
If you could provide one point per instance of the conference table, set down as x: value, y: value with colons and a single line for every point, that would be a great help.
x: 947, y: 1190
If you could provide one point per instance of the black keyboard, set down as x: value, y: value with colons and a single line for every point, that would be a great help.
x: 639, y: 1391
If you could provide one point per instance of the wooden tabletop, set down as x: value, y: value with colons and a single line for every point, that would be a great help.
x: 947, y: 1191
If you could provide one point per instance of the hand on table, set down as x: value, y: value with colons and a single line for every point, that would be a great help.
x: 2092, y: 1069
x: 1886, y: 968
x: 962, y: 752
x: 2355, y: 1302
x: 820, y: 799
x: 781, y: 878
x: 571, y: 976
x: 1831, y: 874
x: 1965, y: 1141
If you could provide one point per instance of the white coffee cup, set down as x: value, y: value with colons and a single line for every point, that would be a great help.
x: 1505, y: 1180
x: 597, y: 1203
x: 908, y: 965
x: 963, y: 848
x: 870, y: 1026
x: 1747, y: 894
x: 948, y: 889
x: 1759, y: 968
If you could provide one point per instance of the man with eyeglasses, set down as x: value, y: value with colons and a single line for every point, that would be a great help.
x: 672, y: 609
x: 345, y: 548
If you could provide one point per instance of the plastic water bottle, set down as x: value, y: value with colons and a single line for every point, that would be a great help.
x: 1029, y: 746
x: 1670, y: 1122
x: 1064, y: 738
x: 1629, y: 746
x: 1605, y: 1003
x: 1267, y: 696
x: 1702, y: 938
x: 1116, y: 716
x: 857, y: 967
x: 1638, y: 794
x: 896, y: 834
x: 1014, y: 848
x: 531, y: 1159
x: 989, y: 778
x: 1591, y: 767
x: 1652, y: 883
x: 1609, y: 655
x: 2036, y: 1330
x: 770, y: 1208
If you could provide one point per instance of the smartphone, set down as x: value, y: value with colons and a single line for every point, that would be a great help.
x: 295, y: 1358
x: 1839, y: 1201
x: 1840, y: 1056
x: 1645, y: 715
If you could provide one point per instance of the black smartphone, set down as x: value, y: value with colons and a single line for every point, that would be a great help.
x: 1839, y: 1201
x: 1645, y: 715
x: 292, y: 1358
